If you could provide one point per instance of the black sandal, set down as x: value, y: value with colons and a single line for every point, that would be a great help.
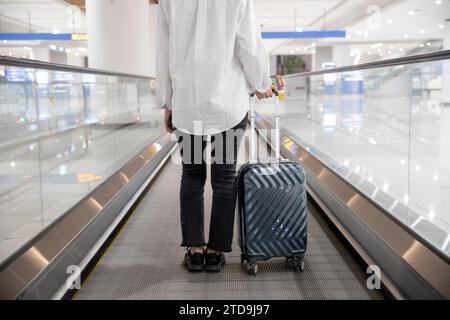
x: 194, y: 262
x: 214, y: 262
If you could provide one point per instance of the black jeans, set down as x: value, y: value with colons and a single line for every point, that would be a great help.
x: 224, y: 153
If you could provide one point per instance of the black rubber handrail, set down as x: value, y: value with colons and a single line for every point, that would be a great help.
x: 34, y: 64
x: 427, y: 57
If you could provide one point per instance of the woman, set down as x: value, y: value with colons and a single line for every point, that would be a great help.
x: 210, y: 56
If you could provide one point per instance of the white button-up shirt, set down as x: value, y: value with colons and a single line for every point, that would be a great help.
x: 210, y: 55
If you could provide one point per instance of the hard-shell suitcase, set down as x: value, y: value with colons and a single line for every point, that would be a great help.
x: 272, y: 207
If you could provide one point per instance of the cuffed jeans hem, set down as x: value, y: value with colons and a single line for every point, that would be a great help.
x: 192, y: 245
x: 219, y: 248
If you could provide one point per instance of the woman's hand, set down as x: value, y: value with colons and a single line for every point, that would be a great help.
x: 268, y: 94
x: 168, y: 121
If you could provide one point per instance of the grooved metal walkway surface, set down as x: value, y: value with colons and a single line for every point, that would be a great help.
x: 145, y: 261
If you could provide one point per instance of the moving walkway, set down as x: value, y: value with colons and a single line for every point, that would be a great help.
x: 118, y: 235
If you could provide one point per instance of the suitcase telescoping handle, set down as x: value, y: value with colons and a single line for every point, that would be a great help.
x: 253, y: 155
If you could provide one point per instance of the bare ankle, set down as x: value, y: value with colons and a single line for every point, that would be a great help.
x: 195, y: 250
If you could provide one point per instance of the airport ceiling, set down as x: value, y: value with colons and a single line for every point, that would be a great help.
x: 82, y: 5
x: 400, y: 21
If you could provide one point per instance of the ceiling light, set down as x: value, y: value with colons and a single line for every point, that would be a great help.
x: 56, y: 31
x: 441, y: 26
x: 390, y: 21
x: 292, y: 51
x: 421, y: 45
x: 422, y: 31
x: 298, y: 49
x: 299, y: 29
x: 438, y: 2
x: 5, y: 41
x: 405, y: 36
x: 431, y: 214
x: 411, y: 13
x: 401, y: 49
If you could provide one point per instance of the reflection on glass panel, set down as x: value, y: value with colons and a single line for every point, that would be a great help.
x: 384, y: 130
x: 429, y: 199
x: 63, y: 134
x: 20, y: 187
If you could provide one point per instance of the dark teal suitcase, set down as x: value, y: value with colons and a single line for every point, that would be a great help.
x: 272, y: 210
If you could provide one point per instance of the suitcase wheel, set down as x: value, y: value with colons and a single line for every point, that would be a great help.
x: 252, y: 268
x: 297, y: 263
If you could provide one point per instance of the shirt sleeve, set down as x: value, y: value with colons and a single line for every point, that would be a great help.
x: 251, y: 50
x: 165, y: 90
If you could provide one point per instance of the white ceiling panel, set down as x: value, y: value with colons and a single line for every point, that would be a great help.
x: 286, y: 15
x: 40, y: 16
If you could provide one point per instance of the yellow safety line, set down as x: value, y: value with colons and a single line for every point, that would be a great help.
x: 74, y: 297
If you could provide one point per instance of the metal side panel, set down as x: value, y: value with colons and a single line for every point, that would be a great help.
x: 145, y: 261
x: 40, y: 269
x: 409, y: 263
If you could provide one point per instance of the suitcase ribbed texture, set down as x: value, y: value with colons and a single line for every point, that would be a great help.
x: 273, y: 217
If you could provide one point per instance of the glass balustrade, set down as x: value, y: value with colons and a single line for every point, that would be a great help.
x: 62, y: 134
x: 386, y: 131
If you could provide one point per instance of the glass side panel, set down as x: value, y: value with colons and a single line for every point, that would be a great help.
x: 20, y: 184
x: 384, y: 130
x: 430, y: 152
x: 62, y: 135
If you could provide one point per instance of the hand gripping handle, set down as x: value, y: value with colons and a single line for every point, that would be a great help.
x: 253, y: 155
